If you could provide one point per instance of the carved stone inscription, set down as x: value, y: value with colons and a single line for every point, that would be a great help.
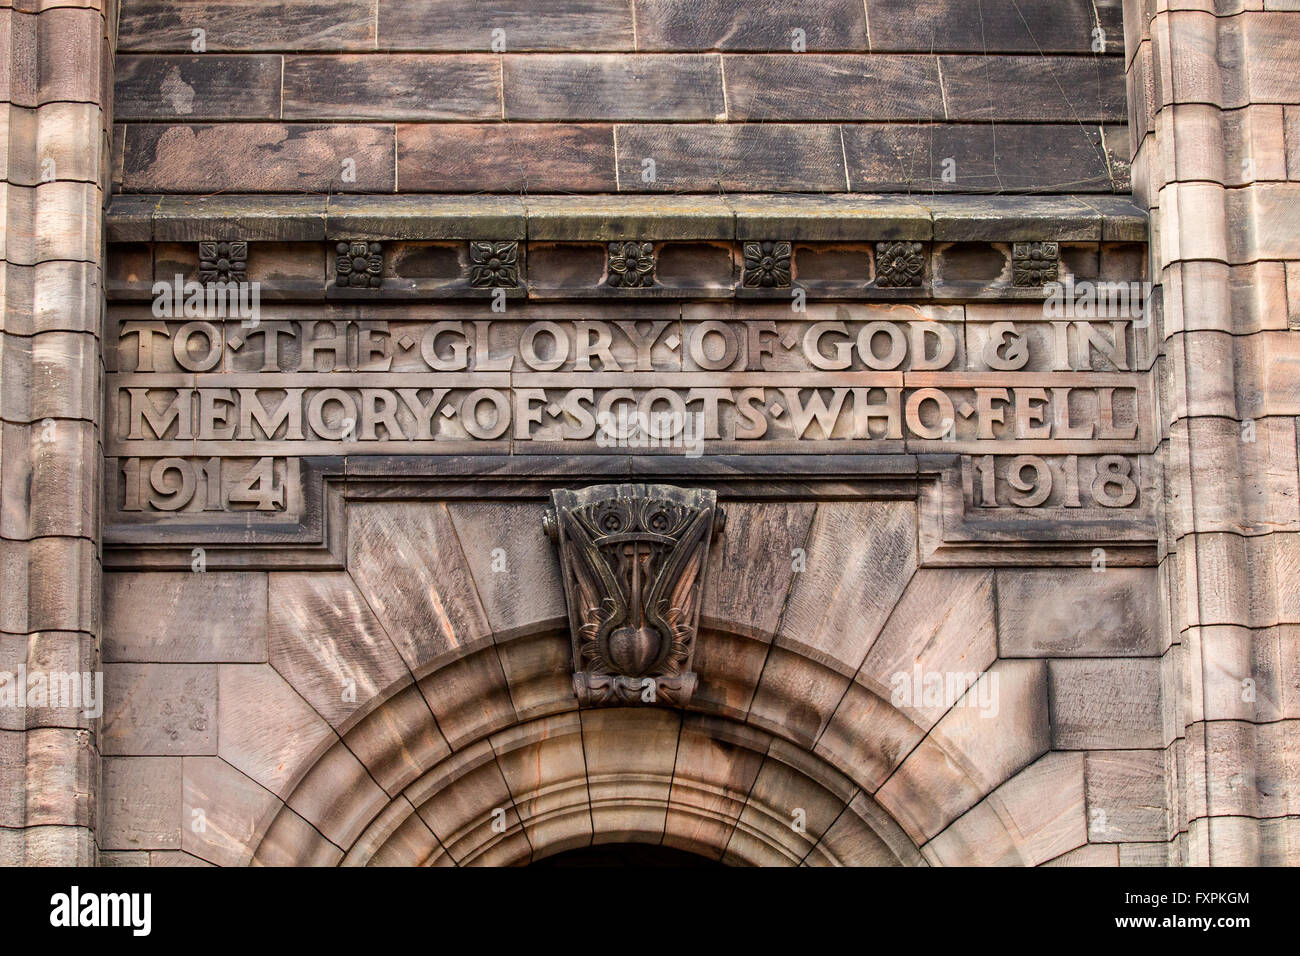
x: 213, y: 415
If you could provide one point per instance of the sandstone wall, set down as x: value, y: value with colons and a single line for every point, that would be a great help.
x: 382, y: 694
x: 1213, y: 94
x: 579, y: 96
x: 226, y: 705
x: 55, y: 104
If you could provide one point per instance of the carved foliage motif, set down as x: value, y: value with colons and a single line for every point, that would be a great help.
x: 494, y: 265
x: 631, y: 265
x: 359, y: 264
x: 899, y: 265
x: 223, y: 262
x: 633, y: 559
x: 767, y: 265
x: 1034, y: 263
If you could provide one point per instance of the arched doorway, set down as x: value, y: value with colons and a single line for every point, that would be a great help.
x: 466, y: 746
x: 617, y: 855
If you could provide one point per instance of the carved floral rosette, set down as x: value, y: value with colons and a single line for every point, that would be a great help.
x: 633, y: 557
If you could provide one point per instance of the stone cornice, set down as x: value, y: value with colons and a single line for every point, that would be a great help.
x: 821, y: 218
x: 937, y: 248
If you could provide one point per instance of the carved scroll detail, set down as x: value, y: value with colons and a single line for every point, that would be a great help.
x: 633, y: 559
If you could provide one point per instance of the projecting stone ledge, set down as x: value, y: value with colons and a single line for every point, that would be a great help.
x: 827, y: 218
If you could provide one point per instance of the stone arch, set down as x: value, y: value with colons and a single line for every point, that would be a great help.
x: 793, y: 710
x: 702, y: 781
x: 710, y: 785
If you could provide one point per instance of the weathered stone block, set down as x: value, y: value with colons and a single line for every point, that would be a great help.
x: 159, y: 709
x: 853, y: 568
x: 1077, y: 613
x: 1126, y: 797
x: 595, y: 87
x: 898, y: 157
x: 299, y: 24
x: 630, y: 756
x: 941, y: 629
x: 391, y: 87
x: 408, y: 562
x: 203, y: 87
x: 743, y: 157
x: 1109, y: 704
x: 1028, y: 26
x: 260, y: 157
x: 178, y: 617
x: 768, y: 25
x: 62, y: 769
x: 513, y: 157
x: 811, y: 87
x: 568, y: 25
x: 141, y: 802
x: 515, y: 568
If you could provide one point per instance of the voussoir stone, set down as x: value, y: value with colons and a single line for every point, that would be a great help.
x: 851, y: 572
x: 267, y: 730
x: 326, y: 642
x: 407, y: 560
x: 227, y: 811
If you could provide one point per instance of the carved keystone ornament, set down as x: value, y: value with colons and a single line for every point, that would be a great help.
x: 633, y: 559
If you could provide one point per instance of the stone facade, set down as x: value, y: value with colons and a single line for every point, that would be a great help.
x: 55, y: 110
x: 939, y: 561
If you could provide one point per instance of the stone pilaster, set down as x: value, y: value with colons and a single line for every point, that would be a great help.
x: 1210, y: 88
x: 55, y: 92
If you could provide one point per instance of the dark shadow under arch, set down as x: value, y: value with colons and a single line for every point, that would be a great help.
x: 630, y: 855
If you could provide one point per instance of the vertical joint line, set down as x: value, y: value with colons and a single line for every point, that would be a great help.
x: 722, y: 79
x: 943, y: 92
x: 618, y: 187
x: 844, y: 155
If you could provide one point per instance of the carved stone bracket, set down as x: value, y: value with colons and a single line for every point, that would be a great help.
x: 633, y: 559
